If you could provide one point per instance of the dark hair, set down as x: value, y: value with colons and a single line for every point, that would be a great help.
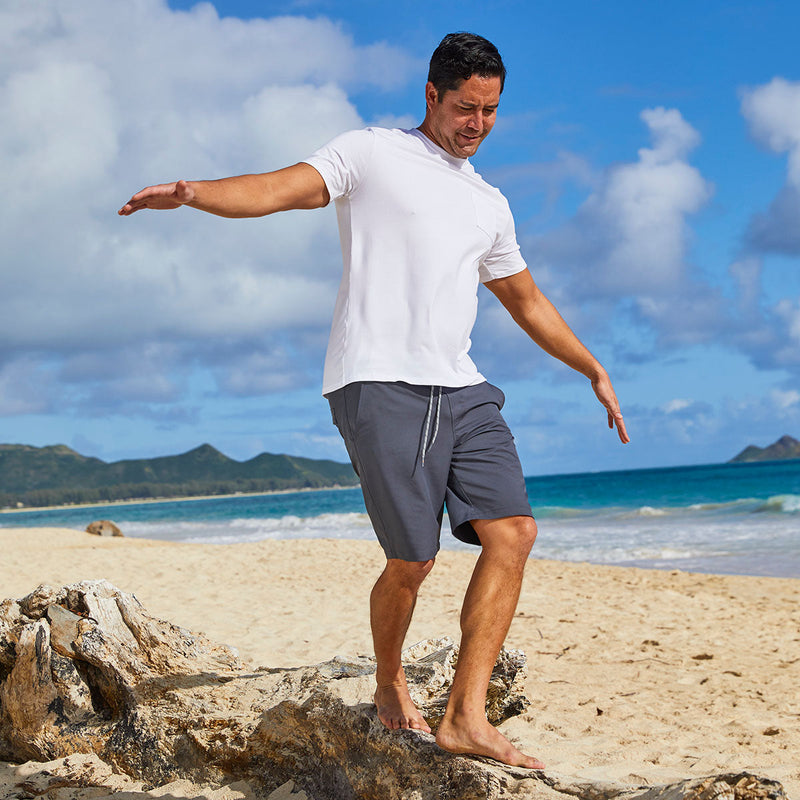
x: 461, y: 55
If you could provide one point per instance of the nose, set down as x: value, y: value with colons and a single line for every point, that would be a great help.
x: 475, y: 121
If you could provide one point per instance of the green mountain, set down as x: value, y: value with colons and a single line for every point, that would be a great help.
x: 785, y: 447
x: 38, y: 476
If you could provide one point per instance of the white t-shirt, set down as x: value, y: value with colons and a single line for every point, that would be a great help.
x: 419, y: 230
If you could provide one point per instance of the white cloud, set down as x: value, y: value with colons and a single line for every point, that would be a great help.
x: 787, y: 311
x: 626, y: 248
x: 785, y: 400
x: 678, y: 404
x: 623, y: 256
x: 673, y: 137
x: 630, y: 236
x: 773, y: 114
x: 99, y: 99
x: 631, y: 233
x: 59, y: 126
x: 768, y: 335
x: 262, y: 372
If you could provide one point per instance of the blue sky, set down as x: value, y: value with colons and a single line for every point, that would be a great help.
x: 650, y: 153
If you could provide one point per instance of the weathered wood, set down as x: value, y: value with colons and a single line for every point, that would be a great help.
x: 85, y: 669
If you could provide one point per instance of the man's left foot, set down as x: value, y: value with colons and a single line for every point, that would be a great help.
x: 481, y: 738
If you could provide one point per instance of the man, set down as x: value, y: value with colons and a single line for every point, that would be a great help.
x: 419, y: 231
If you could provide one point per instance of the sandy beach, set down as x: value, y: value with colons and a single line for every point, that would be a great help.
x: 638, y: 676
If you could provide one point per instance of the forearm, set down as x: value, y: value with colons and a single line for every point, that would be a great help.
x: 235, y: 197
x: 299, y: 186
x: 542, y: 322
x: 257, y: 195
x: 538, y: 317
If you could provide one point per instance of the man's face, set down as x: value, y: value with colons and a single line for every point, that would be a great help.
x: 461, y: 119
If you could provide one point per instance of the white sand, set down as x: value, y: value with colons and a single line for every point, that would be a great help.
x: 639, y: 676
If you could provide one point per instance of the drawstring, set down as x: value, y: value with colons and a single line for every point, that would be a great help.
x: 425, y: 445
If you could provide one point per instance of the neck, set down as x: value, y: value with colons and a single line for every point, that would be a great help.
x: 424, y: 127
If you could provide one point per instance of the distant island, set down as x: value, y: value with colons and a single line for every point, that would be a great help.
x: 785, y: 447
x: 58, y: 475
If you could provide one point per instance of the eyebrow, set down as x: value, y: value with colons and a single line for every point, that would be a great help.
x: 467, y: 104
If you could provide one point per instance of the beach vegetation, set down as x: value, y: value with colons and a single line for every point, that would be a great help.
x: 57, y: 475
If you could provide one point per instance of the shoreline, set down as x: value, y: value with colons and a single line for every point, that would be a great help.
x: 772, y: 566
x: 188, y: 498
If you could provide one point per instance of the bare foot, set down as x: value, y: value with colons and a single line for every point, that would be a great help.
x: 396, y: 708
x: 480, y: 738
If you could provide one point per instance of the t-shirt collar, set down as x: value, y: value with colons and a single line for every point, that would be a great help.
x: 454, y: 161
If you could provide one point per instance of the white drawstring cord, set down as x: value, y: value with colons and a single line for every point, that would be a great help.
x: 425, y: 446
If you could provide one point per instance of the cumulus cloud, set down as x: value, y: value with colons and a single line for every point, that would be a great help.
x: 784, y: 400
x: 630, y: 236
x: 768, y: 334
x: 676, y: 405
x: 768, y: 331
x: 98, y: 100
x: 624, y: 253
x: 773, y: 114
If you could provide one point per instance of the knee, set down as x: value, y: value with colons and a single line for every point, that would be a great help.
x: 528, y: 531
x: 524, y: 536
x: 512, y: 537
x: 407, y: 574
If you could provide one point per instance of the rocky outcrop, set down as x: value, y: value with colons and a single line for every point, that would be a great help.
x: 85, y: 670
x: 103, y: 527
x: 786, y: 447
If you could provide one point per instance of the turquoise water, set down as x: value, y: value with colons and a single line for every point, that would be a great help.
x: 724, y: 518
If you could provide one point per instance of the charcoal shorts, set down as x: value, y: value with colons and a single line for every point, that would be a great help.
x: 419, y: 448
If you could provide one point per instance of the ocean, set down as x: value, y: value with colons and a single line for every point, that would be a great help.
x: 722, y: 518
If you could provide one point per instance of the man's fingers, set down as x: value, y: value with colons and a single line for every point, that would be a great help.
x: 129, y: 208
x: 605, y: 394
x: 163, y: 197
x: 616, y: 419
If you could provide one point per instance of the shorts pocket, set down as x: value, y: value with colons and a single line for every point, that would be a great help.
x: 500, y: 398
x: 335, y: 400
x: 351, y: 405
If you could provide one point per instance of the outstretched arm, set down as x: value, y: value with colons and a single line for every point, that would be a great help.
x: 299, y: 186
x: 538, y: 317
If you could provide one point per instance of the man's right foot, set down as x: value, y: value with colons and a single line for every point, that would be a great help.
x: 397, y: 710
x: 481, y: 738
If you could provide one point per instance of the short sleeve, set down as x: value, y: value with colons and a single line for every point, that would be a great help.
x: 504, y: 258
x: 344, y: 161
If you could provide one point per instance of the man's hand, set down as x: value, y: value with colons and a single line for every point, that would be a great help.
x: 606, y: 395
x: 163, y: 197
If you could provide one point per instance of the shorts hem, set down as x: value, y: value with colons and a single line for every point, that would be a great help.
x: 462, y: 527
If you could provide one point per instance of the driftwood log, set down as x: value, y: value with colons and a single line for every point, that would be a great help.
x: 84, y: 669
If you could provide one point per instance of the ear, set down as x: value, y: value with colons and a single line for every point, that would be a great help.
x: 431, y: 95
